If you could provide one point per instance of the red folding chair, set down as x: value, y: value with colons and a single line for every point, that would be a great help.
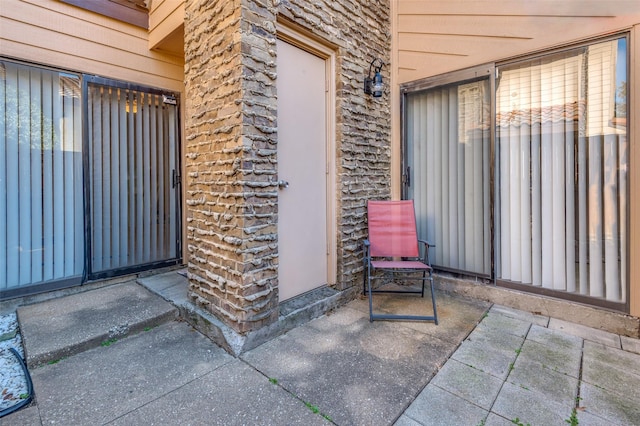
x: 393, y: 247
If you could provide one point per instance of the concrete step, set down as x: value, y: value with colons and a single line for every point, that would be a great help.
x: 173, y: 287
x: 63, y: 327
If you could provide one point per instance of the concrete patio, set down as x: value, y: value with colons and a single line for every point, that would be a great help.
x: 122, y: 355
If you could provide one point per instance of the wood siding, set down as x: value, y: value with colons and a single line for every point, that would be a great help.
x: 434, y: 37
x: 166, y: 26
x: 57, y: 34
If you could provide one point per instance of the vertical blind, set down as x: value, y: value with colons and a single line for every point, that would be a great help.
x: 132, y: 181
x: 132, y: 162
x: 448, y: 156
x: 562, y: 164
x: 41, y: 201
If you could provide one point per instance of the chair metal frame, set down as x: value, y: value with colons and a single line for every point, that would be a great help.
x: 386, y: 260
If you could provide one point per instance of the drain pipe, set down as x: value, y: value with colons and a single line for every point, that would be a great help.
x: 27, y: 377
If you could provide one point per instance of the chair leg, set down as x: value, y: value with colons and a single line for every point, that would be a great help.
x: 433, y: 301
x: 370, y: 293
x: 364, y: 279
x: 369, y: 290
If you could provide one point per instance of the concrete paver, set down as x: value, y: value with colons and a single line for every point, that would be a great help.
x: 405, y: 420
x: 519, y: 404
x: 545, y: 380
x: 630, y: 344
x: 483, y: 356
x: 555, y: 373
x: 557, y: 358
x: 499, y: 339
x: 613, y: 379
x: 587, y: 419
x: 437, y: 407
x: 473, y: 385
x: 611, y: 369
x: 626, y: 361
x: 554, y: 338
x: 504, y: 324
x: 496, y: 420
x: 520, y: 315
x: 586, y: 333
x: 615, y: 409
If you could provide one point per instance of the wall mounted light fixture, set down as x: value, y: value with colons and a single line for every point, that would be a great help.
x: 374, y: 86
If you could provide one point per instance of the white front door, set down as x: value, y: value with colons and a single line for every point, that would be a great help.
x: 302, y: 171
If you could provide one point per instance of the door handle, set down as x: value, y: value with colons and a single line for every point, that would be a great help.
x: 283, y: 184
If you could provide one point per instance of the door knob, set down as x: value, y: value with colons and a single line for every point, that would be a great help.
x: 283, y: 184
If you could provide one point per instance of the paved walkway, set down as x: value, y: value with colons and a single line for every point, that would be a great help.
x: 483, y: 365
x: 518, y: 368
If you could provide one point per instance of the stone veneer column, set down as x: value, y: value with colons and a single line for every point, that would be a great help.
x: 230, y: 166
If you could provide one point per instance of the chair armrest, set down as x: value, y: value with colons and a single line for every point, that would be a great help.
x: 427, y: 246
x: 426, y: 243
x: 365, y: 251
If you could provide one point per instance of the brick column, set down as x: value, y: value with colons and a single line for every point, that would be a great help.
x: 230, y: 166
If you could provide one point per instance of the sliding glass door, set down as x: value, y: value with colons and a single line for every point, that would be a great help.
x: 133, y: 186
x: 41, y: 202
x: 447, y: 160
x: 563, y: 157
x: 545, y: 207
x: 89, y: 182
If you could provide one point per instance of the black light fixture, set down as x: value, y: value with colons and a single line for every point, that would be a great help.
x: 374, y: 86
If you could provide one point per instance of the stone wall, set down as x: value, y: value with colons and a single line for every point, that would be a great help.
x: 231, y: 137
